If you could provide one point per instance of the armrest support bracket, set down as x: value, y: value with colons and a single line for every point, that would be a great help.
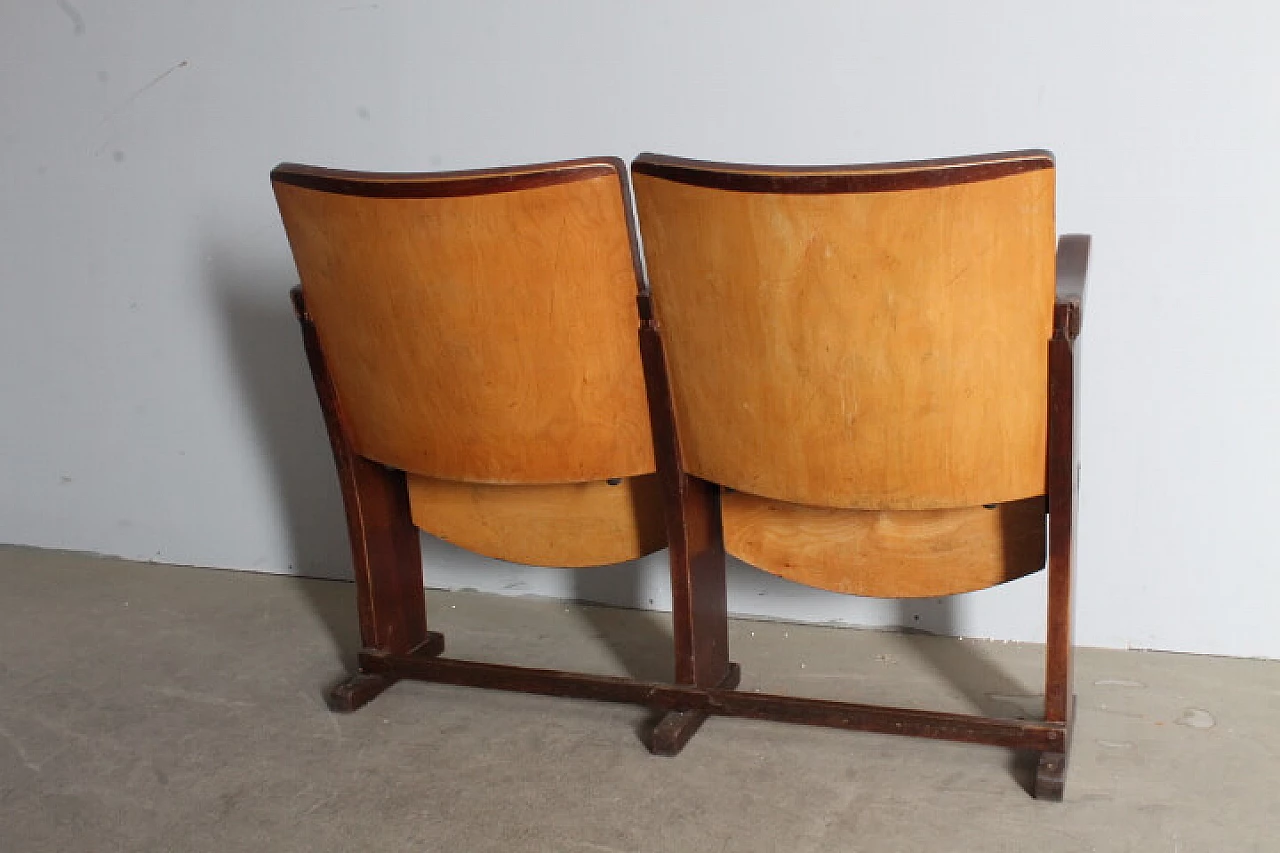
x: 1073, y: 266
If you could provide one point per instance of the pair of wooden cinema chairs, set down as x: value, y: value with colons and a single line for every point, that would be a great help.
x: 858, y: 378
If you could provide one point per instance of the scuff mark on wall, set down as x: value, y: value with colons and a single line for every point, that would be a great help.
x: 140, y: 92
x: 128, y: 102
x: 77, y: 20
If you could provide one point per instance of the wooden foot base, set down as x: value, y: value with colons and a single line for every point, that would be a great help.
x: 355, y: 692
x: 352, y: 694
x: 1051, y: 769
x: 1051, y: 774
x: 675, y: 728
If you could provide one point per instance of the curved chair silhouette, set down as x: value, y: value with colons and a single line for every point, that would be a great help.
x: 872, y: 384
x: 474, y: 342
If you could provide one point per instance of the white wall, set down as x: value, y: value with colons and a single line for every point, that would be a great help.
x: 153, y: 397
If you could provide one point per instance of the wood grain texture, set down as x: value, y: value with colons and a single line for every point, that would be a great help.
x: 559, y: 524
x: 478, y: 328
x: 889, y: 553
x: 881, y: 349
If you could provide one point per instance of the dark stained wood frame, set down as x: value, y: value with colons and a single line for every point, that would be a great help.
x: 386, y: 552
x: 445, y: 184
x: 818, y: 180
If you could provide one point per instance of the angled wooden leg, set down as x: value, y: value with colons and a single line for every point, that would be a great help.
x: 384, y: 543
x: 1062, y: 473
x: 699, y: 609
x: 387, y: 557
x: 699, y: 595
x: 700, y: 616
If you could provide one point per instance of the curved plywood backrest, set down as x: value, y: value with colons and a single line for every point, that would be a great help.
x: 857, y: 337
x: 479, y: 326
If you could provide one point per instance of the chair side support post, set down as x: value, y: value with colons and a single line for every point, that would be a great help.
x: 385, y: 549
x: 1062, y: 480
x: 698, y: 589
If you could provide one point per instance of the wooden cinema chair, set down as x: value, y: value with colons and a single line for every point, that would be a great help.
x: 872, y: 372
x: 474, y: 340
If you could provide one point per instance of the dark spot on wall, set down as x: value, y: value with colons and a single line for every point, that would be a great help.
x: 77, y: 20
x: 118, y: 156
x: 363, y: 112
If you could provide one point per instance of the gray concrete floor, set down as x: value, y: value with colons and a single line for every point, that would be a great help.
x: 148, y: 707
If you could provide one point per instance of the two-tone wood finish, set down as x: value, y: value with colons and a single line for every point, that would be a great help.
x: 478, y: 332
x: 485, y: 336
x: 393, y: 625
x: 881, y: 349
x: 875, y: 362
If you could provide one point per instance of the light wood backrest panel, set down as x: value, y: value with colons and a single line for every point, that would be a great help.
x: 479, y: 327
x: 560, y: 524
x: 887, y: 553
x: 865, y: 337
